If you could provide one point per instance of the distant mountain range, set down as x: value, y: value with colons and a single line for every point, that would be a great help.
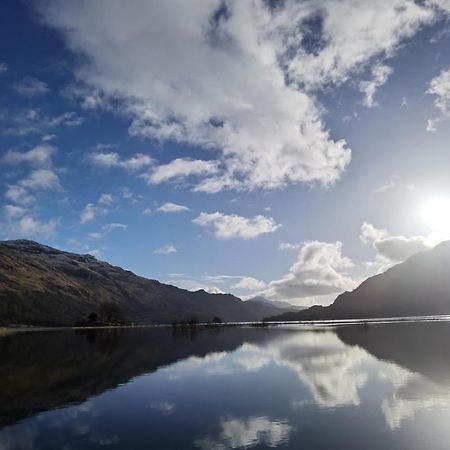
x: 420, y: 286
x: 40, y: 285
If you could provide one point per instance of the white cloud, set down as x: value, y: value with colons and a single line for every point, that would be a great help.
x: 170, y: 207
x: 246, y: 433
x: 24, y: 122
x: 89, y: 213
x: 233, y: 226
x: 39, y: 156
x: 318, y: 272
x: 41, y: 179
x: 267, y: 131
x: 166, y: 250
x: 28, y: 226
x: 439, y: 87
x: 31, y: 87
x: 392, y: 249
x: 18, y: 194
x: 380, y: 74
x: 249, y: 283
x: 179, y: 169
x: 92, y: 210
x: 112, y: 159
x: 385, y: 187
x: 290, y: 246
x: 94, y: 236
x: 3, y: 68
x: 14, y: 211
x: 106, y: 199
x: 114, y: 226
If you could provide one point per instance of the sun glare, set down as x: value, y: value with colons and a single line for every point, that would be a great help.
x: 436, y: 214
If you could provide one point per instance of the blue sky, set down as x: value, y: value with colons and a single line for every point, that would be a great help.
x: 286, y: 149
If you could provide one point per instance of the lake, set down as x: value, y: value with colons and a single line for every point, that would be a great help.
x: 377, y: 386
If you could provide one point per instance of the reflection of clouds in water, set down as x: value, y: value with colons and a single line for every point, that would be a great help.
x: 415, y: 394
x: 247, y: 433
x: 333, y: 371
x: 19, y: 438
x: 77, y: 420
x: 162, y: 406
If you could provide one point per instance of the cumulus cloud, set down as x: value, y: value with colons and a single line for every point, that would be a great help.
x: 31, y: 87
x: 14, y: 211
x: 28, y: 226
x: 267, y: 130
x: 439, y: 87
x: 249, y: 283
x: 166, y: 249
x: 246, y: 433
x: 319, y: 271
x: 41, y: 155
x: 391, y: 249
x: 179, y: 169
x: 88, y: 213
x: 41, y: 179
x: 42, y: 176
x: 233, y: 226
x: 112, y: 159
x: 106, y: 199
x: 92, y: 210
x: 380, y: 74
x: 170, y: 207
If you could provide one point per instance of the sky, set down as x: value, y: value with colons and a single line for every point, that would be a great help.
x: 281, y: 148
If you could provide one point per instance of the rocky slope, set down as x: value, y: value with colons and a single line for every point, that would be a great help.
x: 40, y: 285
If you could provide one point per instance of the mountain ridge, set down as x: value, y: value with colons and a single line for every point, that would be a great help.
x: 41, y: 285
x: 419, y: 286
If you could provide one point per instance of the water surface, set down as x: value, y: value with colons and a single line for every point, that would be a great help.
x: 382, y: 386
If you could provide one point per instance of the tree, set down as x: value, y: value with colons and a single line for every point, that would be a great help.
x: 217, y: 320
x: 92, y: 318
x: 109, y: 312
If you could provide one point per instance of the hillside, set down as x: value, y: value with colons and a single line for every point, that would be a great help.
x: 40, y: 285
x: 419, y: 286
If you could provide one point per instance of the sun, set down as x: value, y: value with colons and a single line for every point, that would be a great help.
x: 436, y: 214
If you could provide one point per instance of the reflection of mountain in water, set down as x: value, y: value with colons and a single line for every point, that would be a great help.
x: 420, y: 348
x: 45, y: 370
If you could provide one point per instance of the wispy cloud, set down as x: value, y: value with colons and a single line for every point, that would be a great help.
x: 31, y: 87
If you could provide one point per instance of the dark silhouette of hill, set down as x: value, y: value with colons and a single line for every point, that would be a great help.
x: 40, y: 285
x: 420, y: 286
x: 49, y: 369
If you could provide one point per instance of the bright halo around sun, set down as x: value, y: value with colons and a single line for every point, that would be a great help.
x: 436, y: 214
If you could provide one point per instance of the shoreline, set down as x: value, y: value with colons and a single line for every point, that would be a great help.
x: 5, y: 330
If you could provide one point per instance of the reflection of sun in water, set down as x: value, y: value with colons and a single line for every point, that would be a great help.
x: 436, y: 214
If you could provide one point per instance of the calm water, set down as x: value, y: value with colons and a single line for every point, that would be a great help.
x: 377, y: 387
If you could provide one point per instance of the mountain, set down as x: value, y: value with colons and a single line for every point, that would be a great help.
x: 275, y: 303
x: 40, y: 285
x: 420, y: 286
